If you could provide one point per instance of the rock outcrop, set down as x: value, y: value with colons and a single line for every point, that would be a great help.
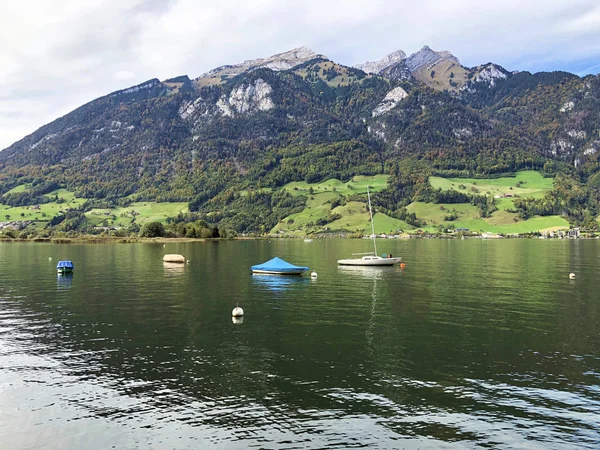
x: 281, y: 61
x: 246, y: 99
x: 426, y: 58
x: 390, y: 101
x: 377, y: 67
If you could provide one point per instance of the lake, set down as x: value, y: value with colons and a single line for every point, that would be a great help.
x: 475, y: 343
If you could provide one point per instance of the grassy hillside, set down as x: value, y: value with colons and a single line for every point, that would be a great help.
x: 445, y: 75
x: 142, y: 212
x: 117, y: 217
x: 44, y: 211
x: 524, y: 184
x: 328, y: 208
x: 468, y: 217
x: 354, y: 216
x: 351, y: 217
x: 357, y: 185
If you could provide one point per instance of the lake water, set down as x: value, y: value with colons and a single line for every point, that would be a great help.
x: 474, y: 343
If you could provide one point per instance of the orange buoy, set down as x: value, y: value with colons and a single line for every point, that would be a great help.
x: 403, y: 265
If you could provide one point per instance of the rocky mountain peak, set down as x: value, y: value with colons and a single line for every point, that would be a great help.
x: 426, y: 57
x: 379, y: 66
x: 280, y: 61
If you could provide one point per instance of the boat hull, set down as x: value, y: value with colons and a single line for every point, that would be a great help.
x: 278, y: 272
x: 372, y: 262
x: 64, y: 270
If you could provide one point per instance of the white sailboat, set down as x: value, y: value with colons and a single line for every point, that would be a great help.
x: 371, y: 258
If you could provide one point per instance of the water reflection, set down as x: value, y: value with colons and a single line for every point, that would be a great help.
x: 279, y: 282
x: 173, y: 269
x: 64, y: 281
x: 237, y: 320
x: 367, y: 272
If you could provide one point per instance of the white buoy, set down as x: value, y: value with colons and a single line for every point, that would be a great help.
x: 49, y: 258
x: 237, y: 312
x: 313, y: 275
x: 188, y: 261
x: 571, y: 276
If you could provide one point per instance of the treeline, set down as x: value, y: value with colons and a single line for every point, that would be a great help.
x: 196, y: 229
x: 578, y: 202
x: 34, y: 196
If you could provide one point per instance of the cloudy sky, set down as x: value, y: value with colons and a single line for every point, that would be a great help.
x: 58, y: 54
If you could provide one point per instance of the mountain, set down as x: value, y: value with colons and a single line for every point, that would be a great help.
x: 439, y: 70
x: 281, y: 61
x: 298, y: 116
x: 426, y: 58
x: 377, y: 67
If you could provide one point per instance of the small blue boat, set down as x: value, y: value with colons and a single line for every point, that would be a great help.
x: 65, y: 267
x: 277, y: 266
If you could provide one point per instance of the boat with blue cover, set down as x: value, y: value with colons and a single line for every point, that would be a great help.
x: 278, y: 266
x: 65, y: 267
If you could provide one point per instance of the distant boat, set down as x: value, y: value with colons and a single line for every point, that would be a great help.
x: 307, y: 240
x: 371, y: 258
x: 65, y: 267
x: 277, y: 266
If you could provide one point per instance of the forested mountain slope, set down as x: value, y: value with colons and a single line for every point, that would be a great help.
x: 298, y: 116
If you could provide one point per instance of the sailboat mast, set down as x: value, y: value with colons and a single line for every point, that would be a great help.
x: 372, y: 224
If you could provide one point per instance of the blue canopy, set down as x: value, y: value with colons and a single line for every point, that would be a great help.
x: 279, y: 265
x: 65, y: 264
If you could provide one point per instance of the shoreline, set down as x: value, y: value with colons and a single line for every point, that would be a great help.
x: 165, y: 240
x: 104, y: 240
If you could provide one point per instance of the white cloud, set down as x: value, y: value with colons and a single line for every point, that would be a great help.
x: 58, y: 54
x: 123, y: 75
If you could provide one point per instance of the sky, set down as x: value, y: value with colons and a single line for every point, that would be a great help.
x: 56, y: 55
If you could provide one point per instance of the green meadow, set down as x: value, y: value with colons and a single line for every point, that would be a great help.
x: 355, y: 216
x: 117, y: 217
x: 525, y: 184
x: 42, y: 212
x: 347, y: 216
x: 468, y: 217
x: 142, y: 212
x: 357, y: 185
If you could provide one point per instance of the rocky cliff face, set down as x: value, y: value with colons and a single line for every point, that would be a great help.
x: 426, y: 58
x: 440, y: 70
x: 398, y: 71
x: 377, y: 67
x: 390, y: 101
x: 247, y: 98
x: 281, y: 61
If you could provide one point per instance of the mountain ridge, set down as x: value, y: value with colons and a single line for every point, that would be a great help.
x: 307, y: 118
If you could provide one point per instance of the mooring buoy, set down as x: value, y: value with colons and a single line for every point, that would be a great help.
x: 237, y: 312
x: 571, y: 276
x: 313, y: 275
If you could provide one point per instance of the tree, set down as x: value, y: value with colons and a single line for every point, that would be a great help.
x: 152, y: 229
